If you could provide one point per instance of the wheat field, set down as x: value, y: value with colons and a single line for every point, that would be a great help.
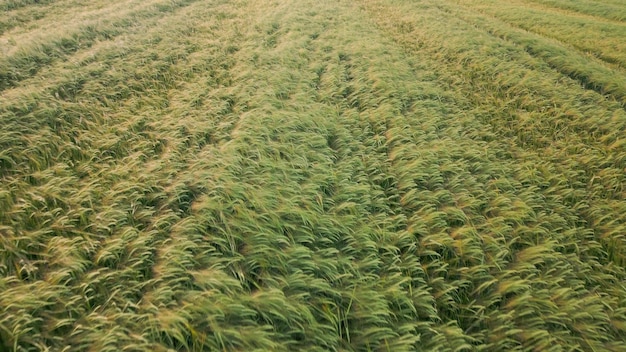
x: 312, y: 175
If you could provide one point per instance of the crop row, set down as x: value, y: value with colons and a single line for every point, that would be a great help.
x: 590, y: 35
x: 611, y: 10
x: 33, y: 50
x: 512, y: 91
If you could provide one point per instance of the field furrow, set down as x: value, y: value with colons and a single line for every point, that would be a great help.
x: 594, y: 74
x: 30, y: 18
x: 605, y: 9
x: 311, y: 175
x: 599, y: 38
x: 8, y: 5
x: 514, y: 105
x: 26, y: 53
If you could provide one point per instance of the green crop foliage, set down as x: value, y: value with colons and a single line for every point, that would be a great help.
x: 299, y: 175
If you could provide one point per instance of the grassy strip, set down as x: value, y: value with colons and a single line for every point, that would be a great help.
x: 333, y: 276
x: 601, y: 39
x: 522, y: 82
x: 106, y: 202
x: 601, y: 9
x: 592, y: 74
x: 517, y: 101
x: 555, y: 192
x: 27, y: 61
x: 31, y: 19
x: 59, y: 106
x: 58, y: 17
x: 8, y: 5
x: 12, y: 20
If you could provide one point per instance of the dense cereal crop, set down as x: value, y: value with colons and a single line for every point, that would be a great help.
x: 312, y: 175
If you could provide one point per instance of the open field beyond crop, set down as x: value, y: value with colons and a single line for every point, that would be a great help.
x: 312, y: 175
